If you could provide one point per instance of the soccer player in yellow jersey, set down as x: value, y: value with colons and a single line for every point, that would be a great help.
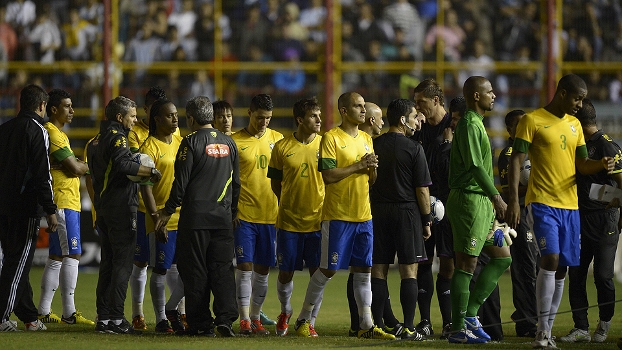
x: 61, y: 267
x: 223, y: 117
x: 162, y: 146
x: 556, y: 145
x: 255, y: 234
x: 300, y: 189
x: 348, y: 166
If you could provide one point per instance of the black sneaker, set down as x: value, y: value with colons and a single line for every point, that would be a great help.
x: 225, y: 330
x: 163, y: 327
x: 175, y: 320
x: 101, y: 327
x: 407, y: 334
x: 353, y: 332
x: 123, y: 328
x: 446, y: 331
x: 425, y: 327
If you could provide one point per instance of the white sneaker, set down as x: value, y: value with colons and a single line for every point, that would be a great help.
x: 35, y: 326
x: 543, y: 341
x: 600, y: 334
x: 576, y: 335
x: 9, y: 326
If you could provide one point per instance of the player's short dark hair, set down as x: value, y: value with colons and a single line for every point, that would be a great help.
x: 587, y: 113
x: 398, y: 108
x: 200, y: 108
x: 302, y: 106
x: 261, y: 101
x: 430, y: 88
x: 31, y: 97
x: 55, y: 97
x: 153, y: 94
x: 509, y: 118
x: 221, y: 106
x: 458, y: 104
x: 119, y: 105
x: 156, y: 107
x: 572, y: 83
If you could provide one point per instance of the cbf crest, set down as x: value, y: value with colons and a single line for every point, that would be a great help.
x: 367, y: 147
x: 334, y: 258
x: 529, y: 236
x: 473, y: 244
x: 573, y: 129
x: 542, y: 243
x: 74, y: 242
x: 239, y: 251
x: 213, y: 133
x: 271, y: 146
x: 161, y: 256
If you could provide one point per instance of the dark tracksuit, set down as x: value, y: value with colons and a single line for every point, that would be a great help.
x: 116, y: 201
x: 206, y: 186
x: 525, y: 254
x: 599, y: 237
x: 25, y: 195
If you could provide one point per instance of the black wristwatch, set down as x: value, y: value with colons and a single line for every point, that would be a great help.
x: 153, y: 171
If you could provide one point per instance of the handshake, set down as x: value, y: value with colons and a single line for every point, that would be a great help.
x: 501, y: 231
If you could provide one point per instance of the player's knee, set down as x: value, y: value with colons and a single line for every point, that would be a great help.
x: 603, y: 281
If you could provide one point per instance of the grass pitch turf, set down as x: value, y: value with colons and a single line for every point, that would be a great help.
x: 332, y: 324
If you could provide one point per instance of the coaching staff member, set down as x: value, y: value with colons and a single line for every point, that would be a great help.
x: 207, y: 182
x: 116, y: 201
x: 25, y: 194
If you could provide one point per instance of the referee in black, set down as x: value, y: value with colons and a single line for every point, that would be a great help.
x: 25, y: 195
x: 206, y: 186
x: 400, y: 207
x: 116, y: 202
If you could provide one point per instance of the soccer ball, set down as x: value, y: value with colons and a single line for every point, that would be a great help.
x: 141, y: 159
x: 437, y: 209
x: 525, y: 171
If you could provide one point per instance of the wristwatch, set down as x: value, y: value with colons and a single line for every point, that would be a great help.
x: 153, y: 171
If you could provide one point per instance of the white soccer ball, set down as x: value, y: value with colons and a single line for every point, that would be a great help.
x: 141, y: 159
x: 525, y: 171
x: 437, y: 209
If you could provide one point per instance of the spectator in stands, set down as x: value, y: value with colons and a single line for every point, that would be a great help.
x: 367, y: 28
x: 291, y: 27
x: 480, y: 64
x: 144, y: 48
x: 452, y: 35
x: 615, y: 89
x: 160, y: 23
x: 21, y: 14
x: 204, y: 28
x: 292, y: 79
x: 45, y: 38
x: 202, y: 86
x: 313, y: 19
x: 255, y: 30
x: 514, y: 27
x: 93, y: 12
x: 404, y: 15
x: 8, y: 36
x: 184, y: 20
x: 79, y: 34
x: 174, y: 43
x: 251, y: 83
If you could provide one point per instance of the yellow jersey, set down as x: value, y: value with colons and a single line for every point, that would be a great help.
x: 348, y: 199
x: 257, y: 202
x: 552, y: 144
x: 66, y: 185
x: 302, y: 187
x: 163, y: 155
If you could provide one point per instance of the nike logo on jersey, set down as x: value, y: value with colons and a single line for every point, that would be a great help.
x: 342, y: 147
x: 162, y: 156
x: 243, y: 148
x: 547, y: 126
x: 289, y: 155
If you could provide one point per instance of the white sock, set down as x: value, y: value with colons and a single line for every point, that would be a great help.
x: 138, y: 280
x: 181, y: 306
x: 172, y: 275
x: 49, y: 285
x: 362, y: 294
x: 258, y: 294
x: 557, y: 298
x: 177, y: 297
x: 157, y: 287
x: 315, y: 291
x: 284, y: 292
x: 68, y: 281
x: 315, y: 311
x: 243, y: 289
x: 545, y: 288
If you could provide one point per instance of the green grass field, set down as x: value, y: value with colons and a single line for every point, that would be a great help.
x: 332, y: 324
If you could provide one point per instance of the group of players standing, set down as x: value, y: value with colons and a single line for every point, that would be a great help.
x: 309, y: 200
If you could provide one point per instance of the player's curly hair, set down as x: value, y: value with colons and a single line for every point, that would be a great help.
x: 153, y: 94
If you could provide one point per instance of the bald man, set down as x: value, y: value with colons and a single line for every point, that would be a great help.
x: 469, y: 209
x: 373, y: 120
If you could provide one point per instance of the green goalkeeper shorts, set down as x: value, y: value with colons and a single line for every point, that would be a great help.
x: 471, y: 216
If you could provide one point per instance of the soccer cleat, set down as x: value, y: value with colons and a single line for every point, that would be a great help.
x: 258, y: 328
x: 425, y: 327
x: 9, y: 326
x: 375, y: 333
x: 174, y: 318
x: 182, y: 318
x: 600, y: 334
x: 395, y: 330
x: 101, y: 327
x: 35, y: 326
x: 312, y: 332
x: 282, y: 324
x: 123, y: 328
x: 446, y: 331
x: 576, y: 335
x: 77, y: 318
x: 303, y: 328
x: 225, y: 330
x: 49, y: 318
x: 543, y: 341
x: 245, y: 327
x: 138, y: 322
x: 265, y: 319
x: 353, y: 333
x: 473, y: 324
x: 465, y: 336
x: 407, y: 334
x: 163, y: 327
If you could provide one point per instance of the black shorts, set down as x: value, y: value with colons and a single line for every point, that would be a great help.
x: 397, y: 229
x: 442, y: 238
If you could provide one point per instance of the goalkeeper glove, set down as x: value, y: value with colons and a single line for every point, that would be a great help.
x: 500, y: 232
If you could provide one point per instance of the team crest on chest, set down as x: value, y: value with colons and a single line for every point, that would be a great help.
x: 366, y: 147
x: 213, y: 133
x: 271, y: 146
x: 529, y: 236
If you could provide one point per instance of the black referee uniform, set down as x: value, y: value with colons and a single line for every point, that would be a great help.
x: 116, y: 202
x: 206, y: 186
x: 599, y: 237
x: 25, y: 196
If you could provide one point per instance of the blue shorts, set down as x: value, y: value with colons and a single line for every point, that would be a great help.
x: 149, y: 250
x: 346, y: 244
x: 66, y: 239
x: 292, y: 248
x: 255, y: 243
x: 558, y: 231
